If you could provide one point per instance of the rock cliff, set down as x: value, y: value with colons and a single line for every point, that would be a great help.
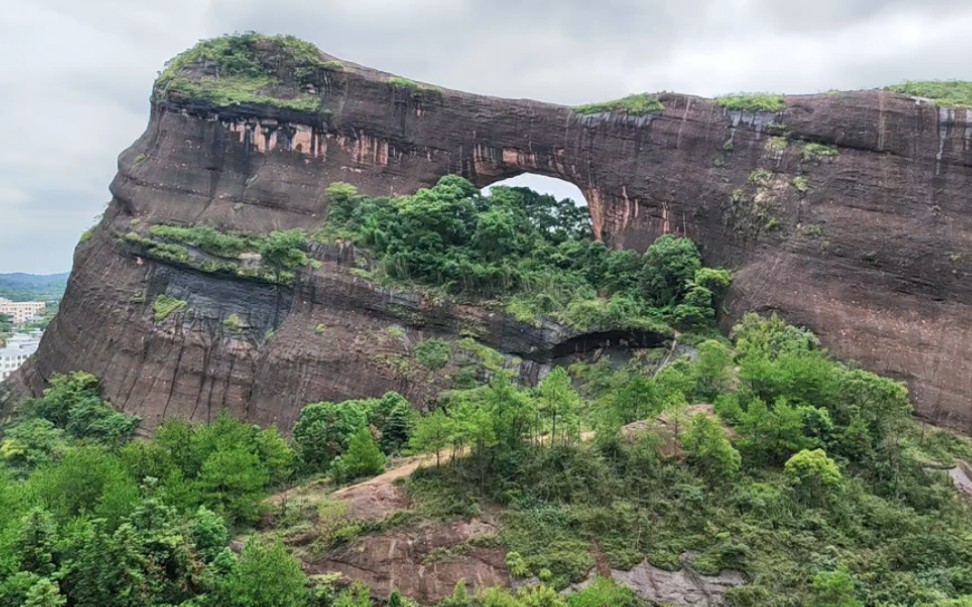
x: 849, y: 213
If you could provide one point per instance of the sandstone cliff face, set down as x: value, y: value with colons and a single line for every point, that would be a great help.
x: 870, y: 248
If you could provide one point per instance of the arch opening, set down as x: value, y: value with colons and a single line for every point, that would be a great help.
x: 562, y: 199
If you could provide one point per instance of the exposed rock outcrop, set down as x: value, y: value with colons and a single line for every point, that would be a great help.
x: 870, y: 248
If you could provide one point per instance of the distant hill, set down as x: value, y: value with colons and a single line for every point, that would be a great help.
x: 33, y: 287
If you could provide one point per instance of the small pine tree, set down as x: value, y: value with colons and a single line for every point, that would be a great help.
x: 363, y: 457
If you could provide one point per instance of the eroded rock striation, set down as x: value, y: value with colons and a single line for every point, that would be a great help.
x: 849, y: 213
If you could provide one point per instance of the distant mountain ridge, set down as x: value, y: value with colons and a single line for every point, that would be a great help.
x: 19, y: 286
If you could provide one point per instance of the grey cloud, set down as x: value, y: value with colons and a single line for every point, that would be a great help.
x: 76, y: 76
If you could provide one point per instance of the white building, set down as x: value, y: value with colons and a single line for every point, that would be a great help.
x: 18, y: 349
x: 21, y: 311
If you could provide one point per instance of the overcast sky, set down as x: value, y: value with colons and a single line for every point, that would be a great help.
x: 76, y: 76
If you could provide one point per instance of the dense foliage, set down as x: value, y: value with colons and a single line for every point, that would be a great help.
x: 532, y: 252
x: 89, y: 517
x: 810, y: 477
x: 351, y: 438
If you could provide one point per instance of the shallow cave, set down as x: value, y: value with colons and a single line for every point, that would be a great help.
x: 601, y: 340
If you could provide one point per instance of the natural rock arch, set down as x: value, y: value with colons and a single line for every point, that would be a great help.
x: 869, y: 248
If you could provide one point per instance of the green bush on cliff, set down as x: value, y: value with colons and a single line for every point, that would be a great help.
x: 244, y: 68
x: 752, y: 102
x: 948, y: 93
x: 282, y: 254
x: 166, y: 305
x: 406, y: 83
x: 636, y: 105
x: 433, y: 353
x: 207, y: 238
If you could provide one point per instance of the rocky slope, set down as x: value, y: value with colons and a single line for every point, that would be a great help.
x: 867, y: 242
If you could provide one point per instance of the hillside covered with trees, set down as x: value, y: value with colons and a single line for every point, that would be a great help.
x: 756, y: 453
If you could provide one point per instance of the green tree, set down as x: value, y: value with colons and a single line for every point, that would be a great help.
x: 323, y: 430
x: 36, y: 545
x: 363, y: 457
x: 264, y: 575
x: 284, y: 252
x: 110, y: 570
x: 669, y: 264
x: 713, y: 368
x: 459, y: 597
x: 433, y: 432
x: 208, y: 533
x: 31, y: 443
x: 87, y: 480
x: 834, y: 589
x: 559, y: 402
x: 540, y: 596
x: 395, y: 419
x: 708, y: 448
x: 232, y: 480
x: 813, y: 475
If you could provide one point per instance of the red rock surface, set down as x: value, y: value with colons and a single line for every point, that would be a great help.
x: 874, y: 257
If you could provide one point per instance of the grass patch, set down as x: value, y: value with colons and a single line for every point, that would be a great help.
x: 165, y: 305
x: 801, y: 184
x: 948, y: 93
x: 638, y: 105
x: 752, y: 102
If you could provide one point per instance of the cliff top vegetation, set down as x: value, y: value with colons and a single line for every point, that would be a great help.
x: 246, y: 68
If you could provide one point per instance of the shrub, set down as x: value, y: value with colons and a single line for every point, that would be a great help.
x: 433, y: 353
x: 601, y: 592
x: 752, y: 102
x: 517, y: 565
x: 406, y: 83
x: 233, y: 323
x: 636, y: 105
